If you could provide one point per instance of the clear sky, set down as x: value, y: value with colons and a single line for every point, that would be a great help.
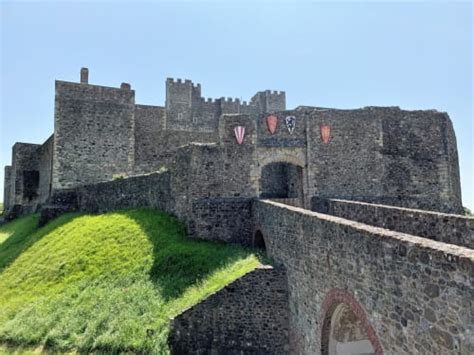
x: 416, y: 55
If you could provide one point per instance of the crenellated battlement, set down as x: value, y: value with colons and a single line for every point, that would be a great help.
x: 229, y: 99
x: 178, y: 81
x: 274, y: 92
x: 187, y: 109
x: 268, y: 100
x: 183, y: 81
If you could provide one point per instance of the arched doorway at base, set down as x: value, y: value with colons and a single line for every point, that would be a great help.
x: 345, y: 327
x: 259, y: 242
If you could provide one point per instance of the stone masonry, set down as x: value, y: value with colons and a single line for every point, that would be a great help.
x: 387, y: 267
x: 241, y: 318
x: 374, y: 154
x: 413, y: 295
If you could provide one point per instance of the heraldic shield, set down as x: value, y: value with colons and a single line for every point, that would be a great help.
x: 239, y: 132
x: 290, y: 123
x: 272, y: 122
x: 325, y: 131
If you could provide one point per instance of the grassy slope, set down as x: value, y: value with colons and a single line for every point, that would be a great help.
x: 100, y: 282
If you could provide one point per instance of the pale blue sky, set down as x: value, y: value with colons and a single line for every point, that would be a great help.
x: 334, y: 54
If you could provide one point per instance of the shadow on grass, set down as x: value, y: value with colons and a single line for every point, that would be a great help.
x: 23, y: 349
x: 180, y: 262
x: 23, y: 234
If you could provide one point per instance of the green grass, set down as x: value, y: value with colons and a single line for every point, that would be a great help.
x: 87, y: 283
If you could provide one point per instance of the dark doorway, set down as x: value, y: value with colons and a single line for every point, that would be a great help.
x: 282, y: 180
x: 259, y: 242
x: 30, y: 184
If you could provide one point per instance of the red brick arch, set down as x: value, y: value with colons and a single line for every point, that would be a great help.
x: 334, y: 298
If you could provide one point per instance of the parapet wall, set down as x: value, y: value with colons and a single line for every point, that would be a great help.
x: 248, y: 316
x: 414, y: 292
x: 447, y: 228
x: 152, y: 190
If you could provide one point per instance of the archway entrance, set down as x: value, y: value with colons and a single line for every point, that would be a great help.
x: 283, y: 182
x: 259, y: 242
x: 346, y: 329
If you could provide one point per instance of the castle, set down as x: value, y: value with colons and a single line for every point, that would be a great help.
x: 405, y: 158
x: 358, y: 208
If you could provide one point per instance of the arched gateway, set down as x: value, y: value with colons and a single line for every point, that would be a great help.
x: 345, y: 327
x: 282, y: 181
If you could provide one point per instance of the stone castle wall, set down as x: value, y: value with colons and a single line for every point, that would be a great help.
x: 446, y: 228
x: 397, y: 282
x: 24, y: 176
x: 219, y: 185
x: 94, y: 134
x: 384, y: 155
x: 154, y: 146
x: 28, y: 179
x: 242, y: 318
x: 152, y: 190
x: 45, y: 169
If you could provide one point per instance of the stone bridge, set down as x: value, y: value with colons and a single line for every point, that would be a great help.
x: 351, y: 287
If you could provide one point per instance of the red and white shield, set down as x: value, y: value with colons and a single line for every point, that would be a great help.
x: 239, y: 132
x: 272, y: 122
x: 325, y: 131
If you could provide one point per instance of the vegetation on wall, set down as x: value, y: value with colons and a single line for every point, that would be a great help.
x: 467, y: 211
x: 106, y: 282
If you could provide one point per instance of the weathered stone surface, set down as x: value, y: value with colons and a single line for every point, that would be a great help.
x: 409, y: 293
x: 94, y: 134
x: 375, y: 154
x: 249, y: 316
x: 396, y: 293
x: 447, y: 228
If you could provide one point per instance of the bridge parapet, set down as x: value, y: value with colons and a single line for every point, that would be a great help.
x: 401, y: 282
x: 443, y: 227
